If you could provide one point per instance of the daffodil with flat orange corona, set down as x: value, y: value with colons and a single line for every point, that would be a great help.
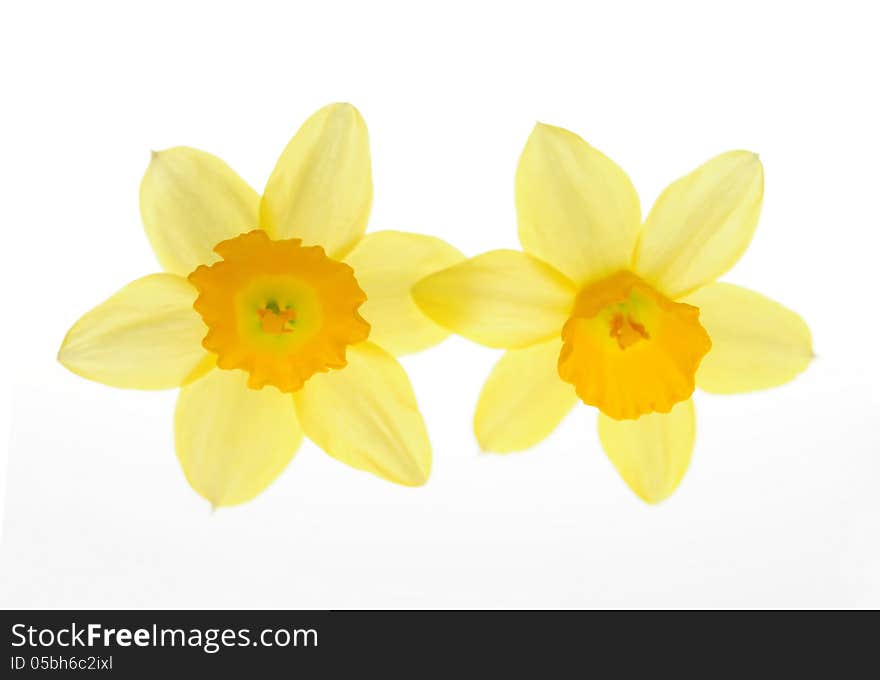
x: 622, y: 314
x: 276, y: 315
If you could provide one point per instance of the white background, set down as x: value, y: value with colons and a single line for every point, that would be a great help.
x: 780, y: 507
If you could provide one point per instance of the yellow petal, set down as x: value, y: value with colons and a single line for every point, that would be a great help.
x: 190, y: 201
x: 576, y: 208
x: 146, y: 336
x: 523, y: 400
x: 503, y: 298
x: 386, y: 265
x: 651, y: 453
x: 366, y: 416
x: 232, y: 441
x: 701, y: 224
x: 756, y: 342
x: 321, y: 188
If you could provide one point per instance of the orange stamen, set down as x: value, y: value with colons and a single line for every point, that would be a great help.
x: 272, y: 321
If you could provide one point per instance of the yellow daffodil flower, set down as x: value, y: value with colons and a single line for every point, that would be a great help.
x: 625, y: 315
x: 264, y: 311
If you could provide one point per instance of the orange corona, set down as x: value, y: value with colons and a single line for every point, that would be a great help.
x: 628, y: 350
x: 277, y: 309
